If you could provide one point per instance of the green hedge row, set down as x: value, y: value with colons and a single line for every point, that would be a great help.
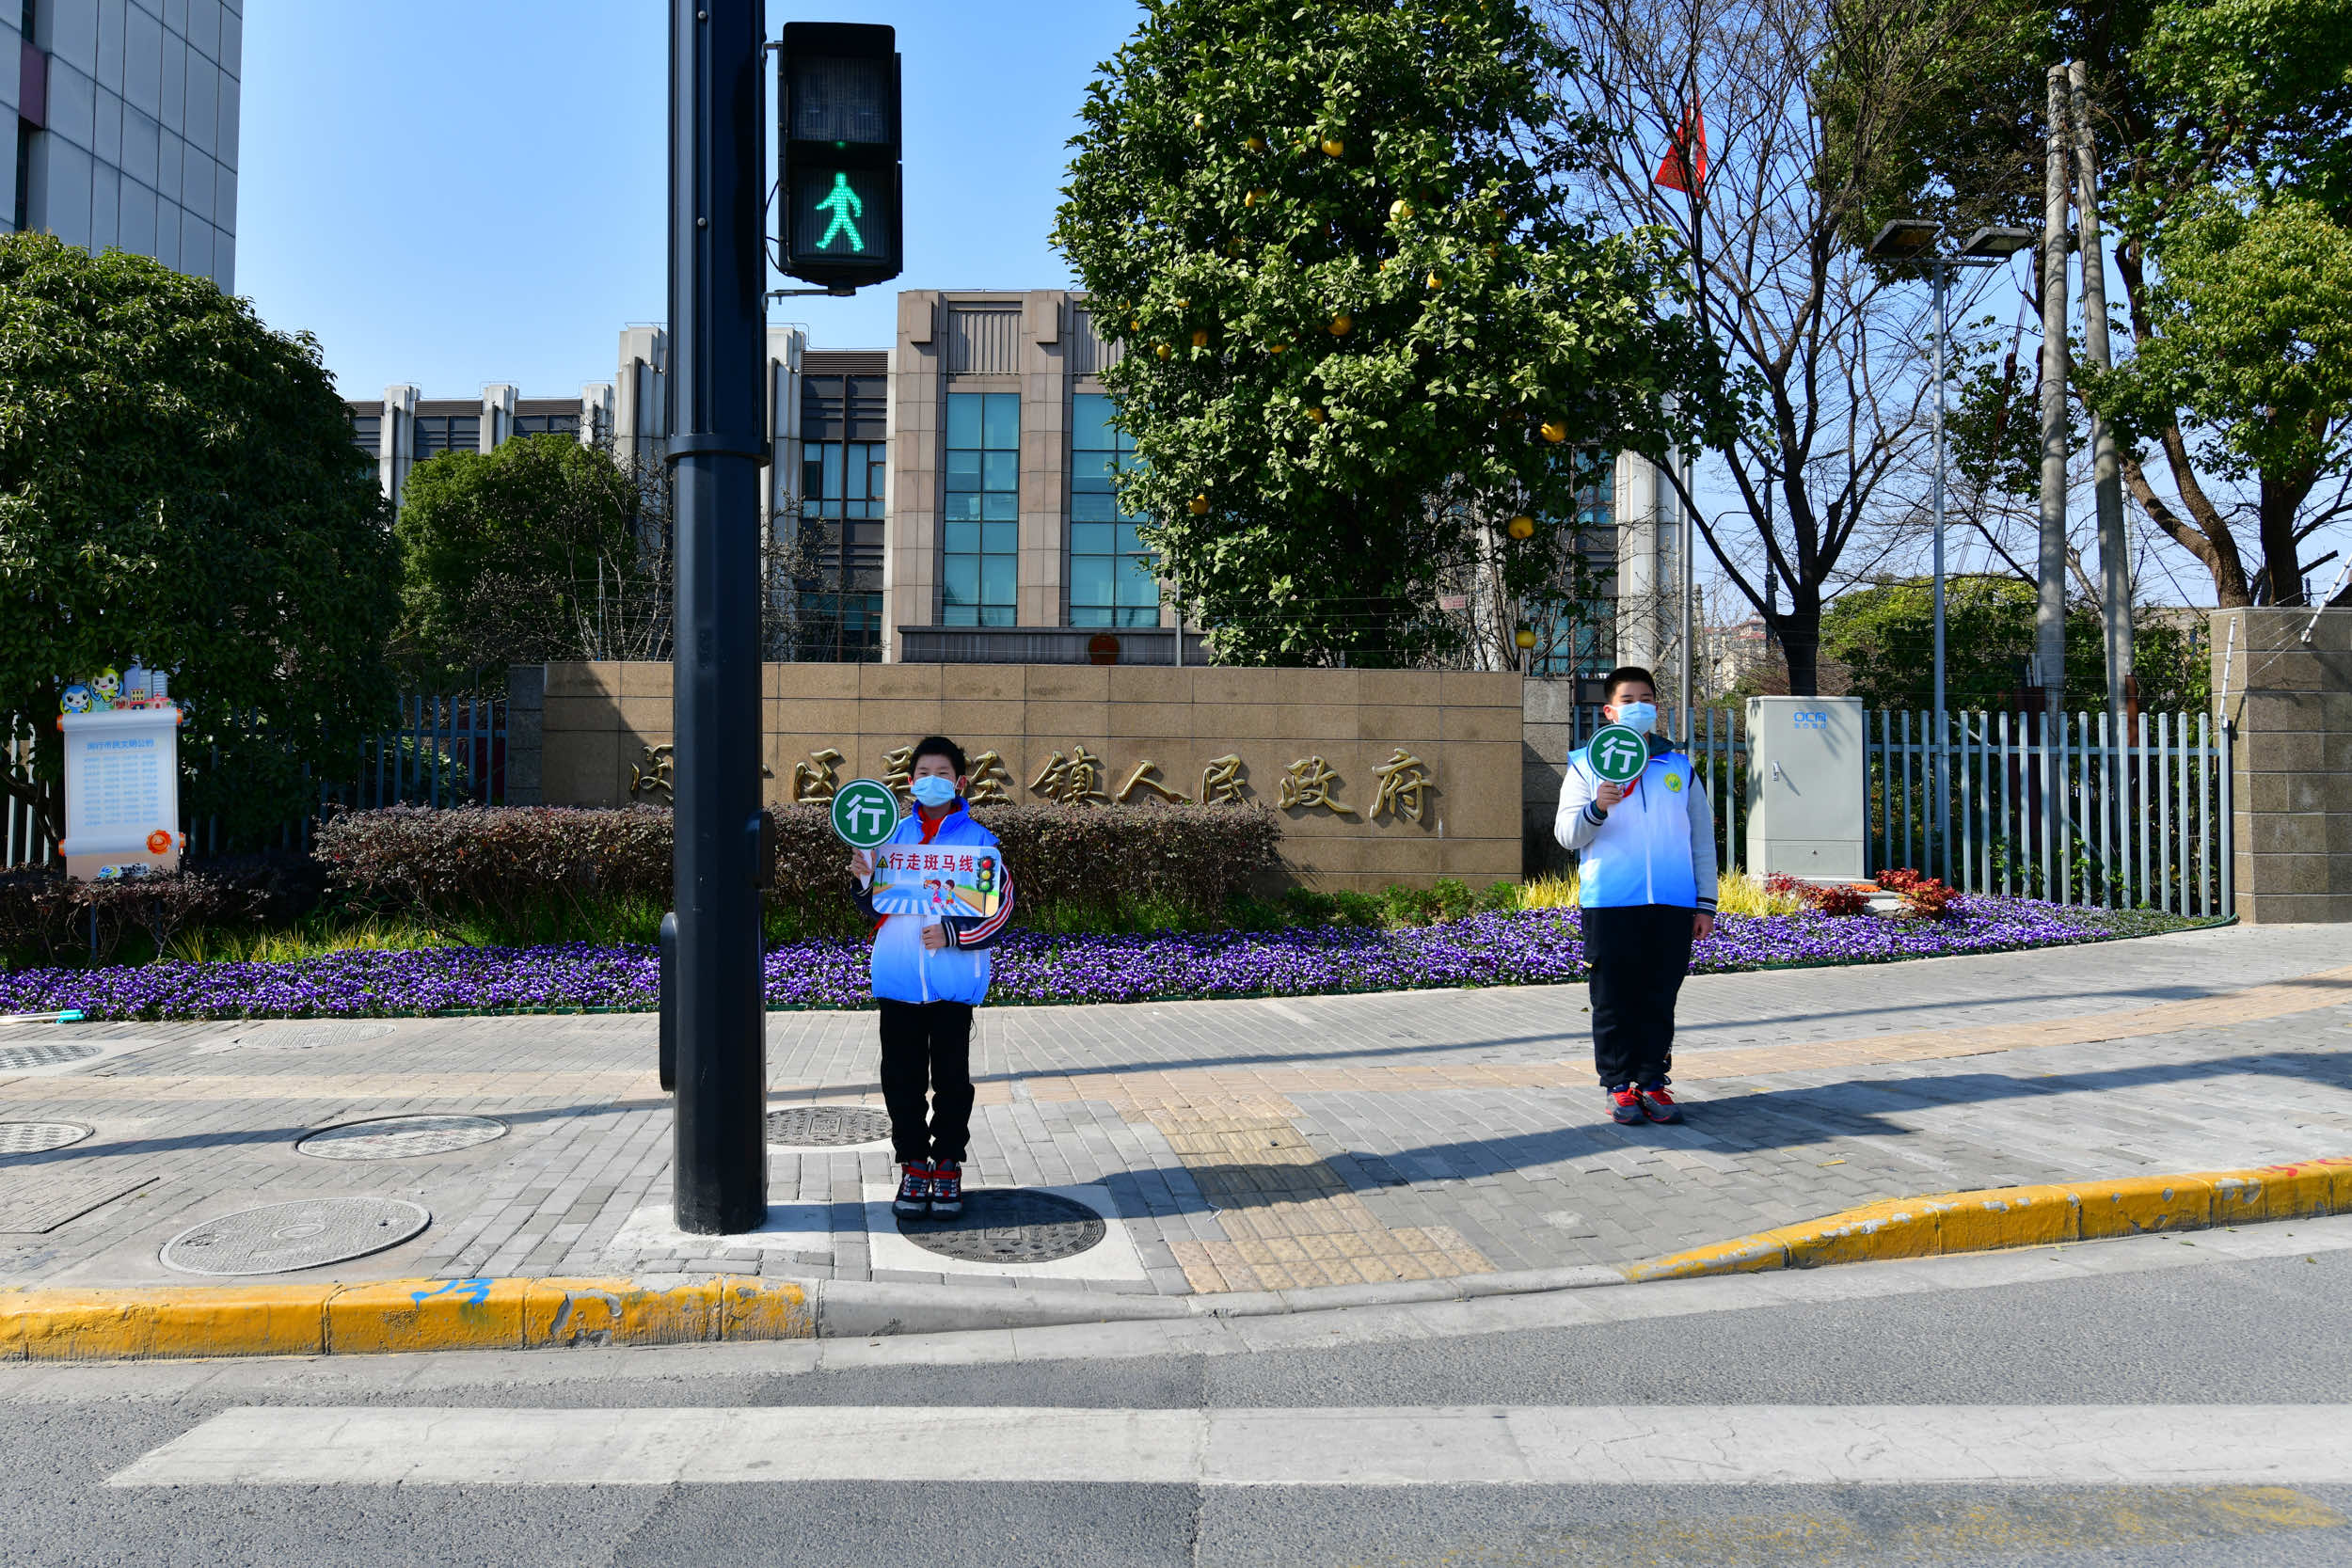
x: 1073, y: 860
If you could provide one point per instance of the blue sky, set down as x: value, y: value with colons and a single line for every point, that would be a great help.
x: 451, y: 191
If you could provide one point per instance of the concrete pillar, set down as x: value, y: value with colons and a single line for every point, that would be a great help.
x: 595, y: 413
x: 2291, y: 764
x: 1640, y: 575
x: 397, y: 441
x: 497, y: 416
x: 919, y: 369
x: 641, y: 412
x: 1041, y: 600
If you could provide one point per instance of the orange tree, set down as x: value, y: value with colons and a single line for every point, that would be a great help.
x: 1362, y: 326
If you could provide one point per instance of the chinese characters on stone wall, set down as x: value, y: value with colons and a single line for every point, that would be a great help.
x: 1076, y: 776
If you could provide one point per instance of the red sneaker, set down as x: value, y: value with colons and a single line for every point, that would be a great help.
x: 1659, y: 1105
x: 914, y: 1201
x: 1625, y: 1106
x: 947, y: 1189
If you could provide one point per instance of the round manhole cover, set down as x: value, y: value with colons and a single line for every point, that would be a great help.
x: 827, y: 1126
x: 401, y: 1137
x: 309, y: 1035
x: 14, y: 1058
x: 1012, y: 1226
x: 284, y: 1237
x: 39, y: 1137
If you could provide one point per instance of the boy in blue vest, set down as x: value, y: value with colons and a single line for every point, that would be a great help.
x: 931, y: 970
x: 1646, y: 866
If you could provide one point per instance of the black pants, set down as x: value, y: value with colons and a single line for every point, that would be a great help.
x: 1638, y: 957
x: 927, y: 1046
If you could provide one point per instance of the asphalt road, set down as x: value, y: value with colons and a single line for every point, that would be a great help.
x: 1508, y: 1435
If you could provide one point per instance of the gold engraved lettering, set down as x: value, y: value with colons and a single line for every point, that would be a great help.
x: 1309, y: 783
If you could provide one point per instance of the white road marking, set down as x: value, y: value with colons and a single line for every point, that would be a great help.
x: 1492, y: 1444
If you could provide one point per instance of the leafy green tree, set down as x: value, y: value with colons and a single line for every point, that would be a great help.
x: 1362, y: 328
x: 2224, y: 130
x: 535, y: 551
x: 178, y: 484
x: 1885, y: 636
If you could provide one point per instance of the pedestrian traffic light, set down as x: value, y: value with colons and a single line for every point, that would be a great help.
x: 837, y: 152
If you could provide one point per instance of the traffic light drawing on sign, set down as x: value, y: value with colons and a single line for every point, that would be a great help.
x: 846, y: 206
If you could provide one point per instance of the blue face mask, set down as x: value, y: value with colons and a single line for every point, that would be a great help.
x: 933, y: 791
x: 1637, y: 715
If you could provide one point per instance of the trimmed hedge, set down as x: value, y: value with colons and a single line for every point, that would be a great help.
x: 1074, y: 859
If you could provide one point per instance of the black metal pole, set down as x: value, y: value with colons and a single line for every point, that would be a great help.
x: 718, y: 272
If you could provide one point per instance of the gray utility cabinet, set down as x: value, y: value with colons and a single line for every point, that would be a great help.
x: 1808, y: 787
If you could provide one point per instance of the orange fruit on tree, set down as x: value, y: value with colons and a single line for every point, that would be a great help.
x: 1555, y: 431
x: 1164, y: 351
x: 1316, y: 413
x: 1200, y: 506
x: 1333, y: 147
x: 1200, y: 339
x: 1343, y: 325
x: 1520, y: 527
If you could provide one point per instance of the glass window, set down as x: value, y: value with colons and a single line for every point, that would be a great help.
x: 547, y: 424
x: 1565, y: 645
x: 980, y: 532
x: 1114, y: 581
x: 842, y: 498
x: 441, y: 433
x: 367, y: 434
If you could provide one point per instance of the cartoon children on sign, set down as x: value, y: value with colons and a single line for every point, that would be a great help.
x: 914, y: 880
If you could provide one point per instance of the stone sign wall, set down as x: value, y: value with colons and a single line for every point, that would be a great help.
x: 2291, y: 788
x: 1377, y: 776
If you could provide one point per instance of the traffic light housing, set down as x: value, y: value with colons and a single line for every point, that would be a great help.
x: 837, y: 154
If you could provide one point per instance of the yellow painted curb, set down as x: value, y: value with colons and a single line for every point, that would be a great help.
x: 394, y: 1315
x: 1943, y: 1224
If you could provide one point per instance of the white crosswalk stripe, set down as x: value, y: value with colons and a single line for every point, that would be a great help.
x: 1525, y: 1446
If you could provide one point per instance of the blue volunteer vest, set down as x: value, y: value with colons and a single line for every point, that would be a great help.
x: 1642, y: 853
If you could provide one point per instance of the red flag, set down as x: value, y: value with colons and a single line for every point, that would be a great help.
x: 1684, y: 166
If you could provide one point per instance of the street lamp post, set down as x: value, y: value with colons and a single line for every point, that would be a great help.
x: 1913, y: 240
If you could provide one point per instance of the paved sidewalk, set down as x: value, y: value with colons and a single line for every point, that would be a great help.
x: 1234, y: 1145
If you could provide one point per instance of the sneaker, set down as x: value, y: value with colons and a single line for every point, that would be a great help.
x: 1625, y: 1106
x: 1659, y: 1105
x: 914, y: 1201
x: 947, y: 1190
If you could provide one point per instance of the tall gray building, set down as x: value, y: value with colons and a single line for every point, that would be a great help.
x: 120, y: 126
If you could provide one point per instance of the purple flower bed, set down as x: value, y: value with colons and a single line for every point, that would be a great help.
x: 1538, y: 947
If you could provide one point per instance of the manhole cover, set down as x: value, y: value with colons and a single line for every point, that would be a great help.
x: 401, y: 1137
x: 309, y: 1036
x: 1016, y: 1225
x: 39, y: 1137
x: 827, y: 1126
x: 284, y: 1237
x: 14, y: 1058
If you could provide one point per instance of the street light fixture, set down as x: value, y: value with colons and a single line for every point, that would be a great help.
x: 1913, y: 240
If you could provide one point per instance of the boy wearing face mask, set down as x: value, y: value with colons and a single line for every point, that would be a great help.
x: 929, y: 972
x: 1646, y: 859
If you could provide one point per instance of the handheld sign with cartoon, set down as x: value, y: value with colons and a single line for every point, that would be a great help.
x: 953, y: 881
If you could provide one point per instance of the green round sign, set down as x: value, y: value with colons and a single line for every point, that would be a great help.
x: 864, y: 814
x: 1618, y: 753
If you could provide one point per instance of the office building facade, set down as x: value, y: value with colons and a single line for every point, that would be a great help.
x: 120, y: 122
x: 953, y: 497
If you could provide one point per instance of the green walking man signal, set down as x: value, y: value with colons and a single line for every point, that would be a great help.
x: 846, y: 206
x: 837, y: 144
